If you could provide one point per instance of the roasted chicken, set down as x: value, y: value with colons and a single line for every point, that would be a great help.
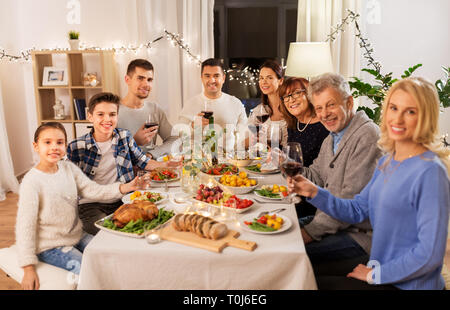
x: 144, y: 210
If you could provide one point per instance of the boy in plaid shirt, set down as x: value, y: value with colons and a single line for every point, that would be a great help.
x: 106, y: 155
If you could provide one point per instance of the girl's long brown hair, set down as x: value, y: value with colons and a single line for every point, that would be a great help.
x: 278, y: 69
x: 48, y: 125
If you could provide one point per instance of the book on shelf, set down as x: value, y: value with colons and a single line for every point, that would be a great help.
x: 80, y: 108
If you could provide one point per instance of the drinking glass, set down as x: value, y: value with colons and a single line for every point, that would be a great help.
x: 273, y: 139
x: 292, y: 163
x: 151, y: 121
x: 143, y: 182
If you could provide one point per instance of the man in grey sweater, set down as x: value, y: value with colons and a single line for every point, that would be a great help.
x: 345, y: 164
x: 135, y: 112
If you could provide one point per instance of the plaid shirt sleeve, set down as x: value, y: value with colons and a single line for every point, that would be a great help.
x: 73, y: 153
x: 138, y: 157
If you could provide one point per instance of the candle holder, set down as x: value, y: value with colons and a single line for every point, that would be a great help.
x: 58, y: 108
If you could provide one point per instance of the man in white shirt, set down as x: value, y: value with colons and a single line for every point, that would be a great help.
x: 135, y: 112
x: 227, y: 109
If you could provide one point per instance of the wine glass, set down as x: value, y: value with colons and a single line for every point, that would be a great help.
x: 143, y: 180
x: 273, y: 139
x: 151, y: 122
x: 292, y: 163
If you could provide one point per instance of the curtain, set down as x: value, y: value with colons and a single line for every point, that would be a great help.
x: 8, y: 181
x: 315, y: 21
x: 176, y: 76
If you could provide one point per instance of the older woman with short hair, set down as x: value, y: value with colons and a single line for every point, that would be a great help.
x: 305, y: 128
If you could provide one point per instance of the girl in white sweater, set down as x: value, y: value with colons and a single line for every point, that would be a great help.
x: 48, y: 227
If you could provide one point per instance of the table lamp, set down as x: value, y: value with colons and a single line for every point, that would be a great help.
x: 308, y: 59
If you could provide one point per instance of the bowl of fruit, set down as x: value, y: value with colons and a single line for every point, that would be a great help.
x: 238, y: 184
x: 216, y: 197
x: 240, y: 159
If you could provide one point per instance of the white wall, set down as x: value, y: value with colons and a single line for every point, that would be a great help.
x: 412, y: 32
x: 43, y: 24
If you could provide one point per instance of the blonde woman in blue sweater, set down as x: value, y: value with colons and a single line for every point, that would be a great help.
x: 407, y: 199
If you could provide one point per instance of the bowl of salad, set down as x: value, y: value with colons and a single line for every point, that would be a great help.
x: 154, y: 197
x: 220, y: 170
x: 163, y: 175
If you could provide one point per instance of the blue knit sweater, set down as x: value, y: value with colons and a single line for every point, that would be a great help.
x: 408, y: 206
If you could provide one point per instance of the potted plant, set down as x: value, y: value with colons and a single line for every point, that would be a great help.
x: 377, y: 92
x: 74, y: 41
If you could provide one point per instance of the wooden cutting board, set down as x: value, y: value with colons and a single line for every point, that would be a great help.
x: 189, y: 238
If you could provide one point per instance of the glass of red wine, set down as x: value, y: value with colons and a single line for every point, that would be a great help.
x: 292, y: 163
x: 151, y: 122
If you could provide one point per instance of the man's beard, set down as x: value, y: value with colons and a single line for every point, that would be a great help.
x: 142, y: 97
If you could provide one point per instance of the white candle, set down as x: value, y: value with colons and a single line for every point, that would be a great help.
x: 153, y: 238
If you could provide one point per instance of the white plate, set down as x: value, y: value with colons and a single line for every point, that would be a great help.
x: 264, y: 172
x: 265, y: 197
x: 238, y: 211
x: 99, y: 225
x: 126, y: 198
x: 249, y: 218
x: 168, y: 181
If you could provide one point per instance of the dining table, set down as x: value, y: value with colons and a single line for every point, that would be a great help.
x: 279, y: 261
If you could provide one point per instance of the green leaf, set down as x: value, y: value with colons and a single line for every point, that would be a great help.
x: 368, y: 111
x: 375, y: 73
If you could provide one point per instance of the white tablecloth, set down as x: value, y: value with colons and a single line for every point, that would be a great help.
x: 279, y: 261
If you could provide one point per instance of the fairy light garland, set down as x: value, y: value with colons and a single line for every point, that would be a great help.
x: 175, y: 39
x: 248, y: 76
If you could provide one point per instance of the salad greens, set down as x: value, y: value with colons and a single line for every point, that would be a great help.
x: 254, y: 168
x: 267, y: 193
x: 138, y: 227
x: 260, y: 227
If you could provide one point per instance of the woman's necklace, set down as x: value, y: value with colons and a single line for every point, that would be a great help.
x: 298, y: 125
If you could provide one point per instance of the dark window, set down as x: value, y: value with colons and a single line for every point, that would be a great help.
x: 246, y: 33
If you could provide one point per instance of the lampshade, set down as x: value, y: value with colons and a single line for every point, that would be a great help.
x: 308, y: 59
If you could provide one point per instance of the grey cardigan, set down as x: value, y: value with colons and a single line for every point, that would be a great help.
x: 345, y: 174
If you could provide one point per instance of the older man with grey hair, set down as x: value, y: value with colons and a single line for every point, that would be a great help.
x: 345, y: 164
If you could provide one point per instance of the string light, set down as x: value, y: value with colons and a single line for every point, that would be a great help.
x: 175, y: 39
x: 248, y: 76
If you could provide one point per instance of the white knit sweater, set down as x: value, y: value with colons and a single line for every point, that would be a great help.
x: 48, y: 209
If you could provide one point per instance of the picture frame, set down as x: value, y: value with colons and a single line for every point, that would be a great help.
x: 54, y: 76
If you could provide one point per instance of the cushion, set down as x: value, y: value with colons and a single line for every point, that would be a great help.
x: 50, y: 277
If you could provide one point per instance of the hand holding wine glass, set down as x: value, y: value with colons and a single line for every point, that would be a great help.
x: 292, y: 164
x: 147, y: 131
x: 302, y: 186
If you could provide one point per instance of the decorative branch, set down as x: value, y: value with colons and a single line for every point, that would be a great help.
x: 364, y: 43
x: 174, y: 38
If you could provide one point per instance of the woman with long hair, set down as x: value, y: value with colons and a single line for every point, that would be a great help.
x: 267, y: 114
x: 407, y: 200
